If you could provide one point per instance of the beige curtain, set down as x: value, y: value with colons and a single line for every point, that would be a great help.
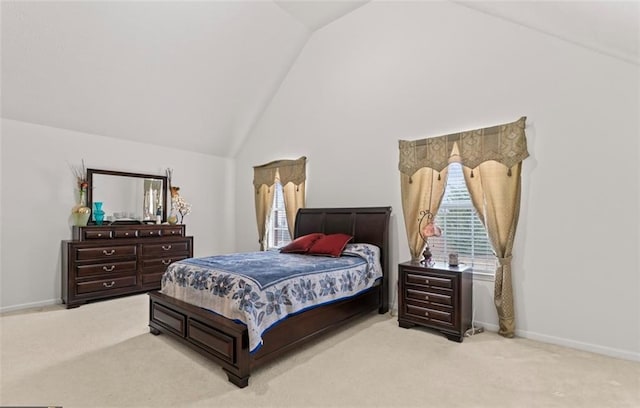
x: 421, y: 192
x: 292, y: 176
x: 495, y: 193
x: 294, y: 199
x: 492, y: 162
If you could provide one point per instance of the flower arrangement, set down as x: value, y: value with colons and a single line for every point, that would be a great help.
x: 80, y: 172
x: 179, y: 204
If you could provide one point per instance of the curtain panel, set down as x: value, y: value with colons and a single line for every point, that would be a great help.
x: 292, y: 175
x: 492, y: 163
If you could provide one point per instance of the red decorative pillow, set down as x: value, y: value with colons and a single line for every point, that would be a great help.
x: 301, y: 244
x: 330, y: 245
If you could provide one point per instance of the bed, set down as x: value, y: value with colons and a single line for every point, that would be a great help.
x: 227, y: 342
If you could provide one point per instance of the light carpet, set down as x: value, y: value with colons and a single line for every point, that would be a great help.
x: 102, y: 355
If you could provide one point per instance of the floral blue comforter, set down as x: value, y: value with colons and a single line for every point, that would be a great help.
x: 261, y: 288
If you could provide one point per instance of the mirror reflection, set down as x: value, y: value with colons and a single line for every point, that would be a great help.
x: 127, y: 196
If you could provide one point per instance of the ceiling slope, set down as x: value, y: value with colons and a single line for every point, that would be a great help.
x: 189, y: 75
x: 609, y: 27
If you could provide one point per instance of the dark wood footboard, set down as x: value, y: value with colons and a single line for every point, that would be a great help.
x: 227, y: 342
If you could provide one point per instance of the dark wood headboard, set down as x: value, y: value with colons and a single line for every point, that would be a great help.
x: 367, y: 225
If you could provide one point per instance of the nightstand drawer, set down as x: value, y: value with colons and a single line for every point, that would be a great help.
x: 429, y: 297
x: 429, y: 280
x: 430, y: 315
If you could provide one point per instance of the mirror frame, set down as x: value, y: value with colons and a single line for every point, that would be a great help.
x: 91, y: 172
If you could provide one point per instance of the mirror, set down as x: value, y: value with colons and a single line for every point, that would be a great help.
x: 127, y: 197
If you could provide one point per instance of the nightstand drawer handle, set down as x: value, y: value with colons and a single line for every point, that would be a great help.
x: 426, y: 314
x: 108, y: 268
x: 111, y: 252
x: 426, y: 281
x: 108, y: 285
x: 426, y: 298
x: 166, y: 247
x: 166, y: 261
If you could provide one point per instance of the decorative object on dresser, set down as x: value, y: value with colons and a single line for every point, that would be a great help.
x: 438, y: 297
x: 112, y: 260
x: 80, y: 212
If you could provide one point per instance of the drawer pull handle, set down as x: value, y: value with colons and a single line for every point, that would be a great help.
x: 166, y: 247
x: 99, y: 235
x: 426, y: 281
x: 426, y: 314
x: 110, y: 252
x: 151, y: 232
x: 108, y: 285
x: 126, y: 234
x: 108, y: 268
x: 426, y: 298
x: 166, y: 261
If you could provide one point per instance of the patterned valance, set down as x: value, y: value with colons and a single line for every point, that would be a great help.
x: 505, y: 144
x: 293, y: 171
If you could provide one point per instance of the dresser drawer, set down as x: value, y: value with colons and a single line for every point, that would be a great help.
x: 430, y: 297
x: 429, y: 315
x: 167, y: 248
x: 106, y: 268
x: 98, y: 234
x: 172, y: 232
x: 103, y: 285
x: 105, y: 252
x: 159, y: 265
x: 150, y: 232
x: 125, y: 233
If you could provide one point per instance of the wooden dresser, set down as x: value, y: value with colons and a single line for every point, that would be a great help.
x: 438, y: 297
x: 112, y: 260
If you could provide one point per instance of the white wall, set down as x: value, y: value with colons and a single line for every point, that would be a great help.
x: 411, y: 70
x: 38, y: 193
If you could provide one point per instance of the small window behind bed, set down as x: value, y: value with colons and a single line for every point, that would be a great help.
x: 278, y: 234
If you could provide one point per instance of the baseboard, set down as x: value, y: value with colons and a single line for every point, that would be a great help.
x: 578, y: 345
x: 23, y: 306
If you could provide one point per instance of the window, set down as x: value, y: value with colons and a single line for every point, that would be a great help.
x: 462, y: 231
x: 278, y: 234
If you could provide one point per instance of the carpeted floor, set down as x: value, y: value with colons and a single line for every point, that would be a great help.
x: 102, y: 355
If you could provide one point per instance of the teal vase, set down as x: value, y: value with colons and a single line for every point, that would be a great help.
x: 98, y: 213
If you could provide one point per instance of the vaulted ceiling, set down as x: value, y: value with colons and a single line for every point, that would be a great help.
x: 198, y: 75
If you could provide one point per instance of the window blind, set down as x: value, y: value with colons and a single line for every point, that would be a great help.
x: 462, y: 231
x: 278, y: 227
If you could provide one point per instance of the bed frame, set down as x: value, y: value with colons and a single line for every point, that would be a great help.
x: 227, y: 343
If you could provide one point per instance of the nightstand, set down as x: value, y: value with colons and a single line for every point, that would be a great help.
x: 437, y: 297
